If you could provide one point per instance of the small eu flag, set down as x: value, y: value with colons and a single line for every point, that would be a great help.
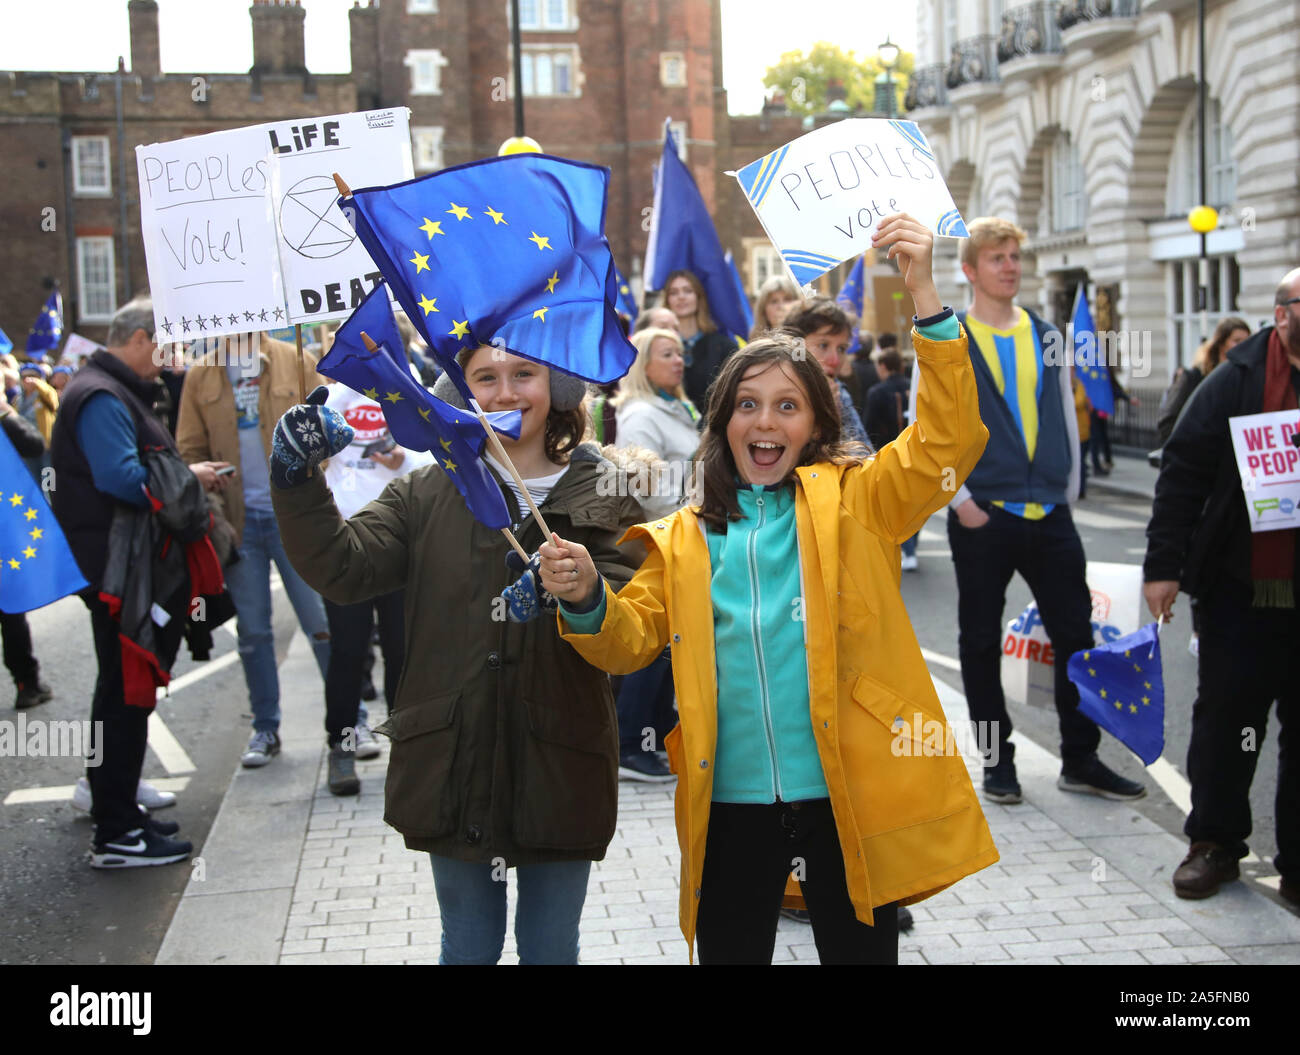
x: 1089, y: 359
x: 47, y: 330
x: 510, y: 251
x: 850, y: 299
x: 418, y: 420
x: 36, y: 566
x: 626, y: 302
x: 738, y: 284
x: 6, y: 345
x: 1121, y: 688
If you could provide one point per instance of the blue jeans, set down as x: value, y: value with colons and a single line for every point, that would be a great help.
x: 908, y: 545
x: 473, y: 908
x: 645, y: 701
x: 249, y: 581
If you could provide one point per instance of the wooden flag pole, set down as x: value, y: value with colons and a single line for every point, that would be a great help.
x: 499, y: 450
x: 372, y: 348
x: 302, y: 364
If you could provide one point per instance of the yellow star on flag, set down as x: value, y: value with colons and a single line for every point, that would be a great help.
x: 543, y: 242
x: 16, y: 500
x: 1091, y: 673
x: 393, y: 397
x: 1146, y: 700
x: 550, y: 282
x: 1137, y: 668
x: 1087, y: 656
x: 496, y: 216
x: 14, y: 564
x: 1146, y: 684
x: 427, y: 304
x: 1103, y: 694
x: 421, y: 262
x: 371, y: 393
x: 36, y: 533
x: 540, y: 313
x: 29, y: 552
x: 449, y: 465
x: 1118, y: 706
x: 446, y: 444
x: 1132, y: 708
x: 431, y: 227
x: 424, y: 412
x: 458, y: 329
x: 460, y: 212
x: 1128, y: 653
x: 30, y: 514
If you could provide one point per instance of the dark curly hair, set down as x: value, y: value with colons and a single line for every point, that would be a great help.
x: 717, y: 467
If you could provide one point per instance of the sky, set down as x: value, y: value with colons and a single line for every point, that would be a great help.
x: 214, y: 36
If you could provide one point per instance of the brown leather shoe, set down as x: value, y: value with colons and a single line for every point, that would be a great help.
x: 1204, y: 869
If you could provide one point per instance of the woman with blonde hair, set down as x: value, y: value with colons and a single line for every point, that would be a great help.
x: 776, y: 296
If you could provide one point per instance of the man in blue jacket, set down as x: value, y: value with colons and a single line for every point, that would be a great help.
x: 1013, y: 515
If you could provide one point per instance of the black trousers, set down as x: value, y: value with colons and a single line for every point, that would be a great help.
x: 1049, y: 556
x: 350, y: 627
x: 17, y: 637
x: 1249, y: 657
x: 749, y: 855
x: 121, y: 739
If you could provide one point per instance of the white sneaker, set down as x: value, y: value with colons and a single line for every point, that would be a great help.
x: 367, y: 745
x: 910, y: 563
x: 146, y: 795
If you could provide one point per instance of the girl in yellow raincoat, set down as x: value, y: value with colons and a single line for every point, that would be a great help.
x: 811, y: 741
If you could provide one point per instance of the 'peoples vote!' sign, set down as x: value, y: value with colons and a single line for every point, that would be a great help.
x: 821, y: 196
x: 1269, y: 464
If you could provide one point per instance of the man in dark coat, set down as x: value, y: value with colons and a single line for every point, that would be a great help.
x: 1243, y: 585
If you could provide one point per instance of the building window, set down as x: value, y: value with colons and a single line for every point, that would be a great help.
x: 1185, y: 164
x: 96, y: 285
x: 1069, y: 202
x: 547, y: 14
x: 421, y: 7
x: 91, y: 173
x: 550, y: 71
x: 1222, y: 287
x: 949, y: 26
x: 427, y: 148
x: 426, y: 71
x: 678, y: 129
x: 672, y: 69
x: 764, y: 262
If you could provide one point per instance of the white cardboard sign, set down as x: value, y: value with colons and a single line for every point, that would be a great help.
x: 1269, y: 464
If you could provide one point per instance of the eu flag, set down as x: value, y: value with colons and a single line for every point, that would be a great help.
x: 373, y: 316
x: 682, y: 237
x: 6, y: 345
x: 1089, y: 359
x: 47, y: 330
x: 626, y: 302
x: 510, y: 251
x: 419, y: 420
x: 850, y: 299
x: 36, y: 566
x: 741, y: 296
x: 1122, y: 689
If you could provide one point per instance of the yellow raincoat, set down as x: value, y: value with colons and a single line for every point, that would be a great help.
x: 907, y: 817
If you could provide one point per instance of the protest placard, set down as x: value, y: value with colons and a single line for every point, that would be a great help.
x: 78, y: 348
x: 1269, y: 464
x: 208, y: 215
x: 326, y: 270
x: 821, y: 196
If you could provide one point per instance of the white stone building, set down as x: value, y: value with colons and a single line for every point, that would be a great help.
x: 1078, y: 120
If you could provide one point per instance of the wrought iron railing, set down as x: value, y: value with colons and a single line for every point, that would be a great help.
x: 926, y: 87
x: 1076, y: 12
x: 973, y: 61
x: 1029, y: 30
x: 1135, y: 426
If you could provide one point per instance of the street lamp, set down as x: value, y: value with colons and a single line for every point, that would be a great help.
x: 887, y: 53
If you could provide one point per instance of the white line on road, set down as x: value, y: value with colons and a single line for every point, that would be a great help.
x: 1088, y: 518
x: 63, y: 792
x: 167, y: 747
x: 943, y: 661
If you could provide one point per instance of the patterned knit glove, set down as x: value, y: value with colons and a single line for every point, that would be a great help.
x: 525, y: 598
x: 305, y: 436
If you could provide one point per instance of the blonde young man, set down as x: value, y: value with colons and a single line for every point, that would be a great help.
x: 1013, y: 513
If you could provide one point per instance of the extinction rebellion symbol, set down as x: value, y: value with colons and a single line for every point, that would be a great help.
x: 311, y: 225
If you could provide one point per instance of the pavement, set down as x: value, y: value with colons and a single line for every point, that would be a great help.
x: 291, y: 874
x: 1131, y: 476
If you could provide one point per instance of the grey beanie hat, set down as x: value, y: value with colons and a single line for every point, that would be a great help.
x: 567, y: 391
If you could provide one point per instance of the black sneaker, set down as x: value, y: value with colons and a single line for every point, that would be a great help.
x: 32, y: 694
x: 139, y: 848
x: 644, y: 766
x: 1094, y: 778
x: 342, y: 777
x: 368, y: 692
x: 1000, y: 783
x: 167, y: 828
x: 905, y: 921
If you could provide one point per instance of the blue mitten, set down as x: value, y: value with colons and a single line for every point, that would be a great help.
x: 525, y: 598
x: 305, y: 436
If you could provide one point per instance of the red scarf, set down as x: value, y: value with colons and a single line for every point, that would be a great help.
x: 1272, y: 556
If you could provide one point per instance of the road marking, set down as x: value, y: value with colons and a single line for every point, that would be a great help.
x: 942, y: 660
x: 167, y: 747
x: 934, y: 553
x: 63, y: 792
x: 1088, y: 518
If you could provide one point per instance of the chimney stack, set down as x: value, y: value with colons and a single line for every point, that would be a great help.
x: 143, y: 16
x: 278, y: 44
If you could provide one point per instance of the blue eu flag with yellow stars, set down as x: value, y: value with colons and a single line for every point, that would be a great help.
x: 36, y: 566
x: 1089, y: 359
x: 850, y: 299
x: 47, y: 330
x: 626, y: 302
x: 510, y: 252
x: 6, y: 345
x: 1121, y: 688
x: 417, y: 419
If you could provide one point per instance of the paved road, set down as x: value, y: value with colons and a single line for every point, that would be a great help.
x: 1112, y: 529
x: 58, y: 910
